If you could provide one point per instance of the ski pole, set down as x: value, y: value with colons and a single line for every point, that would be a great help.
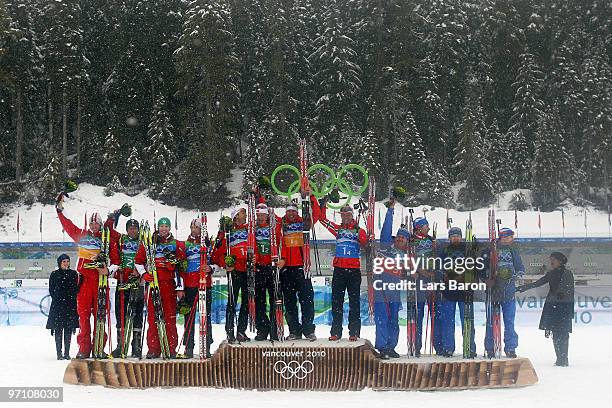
x: 145, y: 316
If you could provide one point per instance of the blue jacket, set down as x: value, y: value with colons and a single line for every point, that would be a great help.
x: 387, y: 250
x: 509, y: 268
x: 454, y: 252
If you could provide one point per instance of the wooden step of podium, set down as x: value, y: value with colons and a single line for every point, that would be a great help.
x: 302, y: 365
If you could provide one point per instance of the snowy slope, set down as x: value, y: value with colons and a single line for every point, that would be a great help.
x: 89, y: 198
x: 28, y: 359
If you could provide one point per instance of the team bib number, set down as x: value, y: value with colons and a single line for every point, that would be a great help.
x: 348, y: 249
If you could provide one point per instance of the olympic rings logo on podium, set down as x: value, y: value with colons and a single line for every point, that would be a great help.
x: 293, y: 369
x: 333, y: 180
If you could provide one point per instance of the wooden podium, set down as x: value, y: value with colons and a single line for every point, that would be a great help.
x: 302, y: 365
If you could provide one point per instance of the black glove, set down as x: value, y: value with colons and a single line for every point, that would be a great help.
x: 126, y: 210
x: 170, y: 256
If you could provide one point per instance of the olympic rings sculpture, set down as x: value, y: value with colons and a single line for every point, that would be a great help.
x: 333, y: 180
x: 293, y: 369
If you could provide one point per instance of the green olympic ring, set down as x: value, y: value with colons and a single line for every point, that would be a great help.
x: 293, y: 187
x: 321, y: 190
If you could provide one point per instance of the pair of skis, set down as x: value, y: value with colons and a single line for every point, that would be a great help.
x: 370, y: 249
x: 433, y: 298
x: 202, y: 290
x: 492, y: 304
x: 133, y: 286
x: 278, y: 296
x: 154, y: 292
x: 103, y: 305
x: 250, y: 261
x: 468, y: 302
x: 202, y: 299
x: 306, y: 211
x: 412, y: 297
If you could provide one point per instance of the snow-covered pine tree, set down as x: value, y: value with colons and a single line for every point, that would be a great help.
x: 430, y: 112
x: 566, y: 88
x: 51, y: 182
x: 597, y: 79
x: 113, y: 187
x: 527, y: 109
x: 256, y: 156
x: 445, y: 37
x: 112, y: 159
x: 470, y: 162
x: 135, y: 173
x: 412, y: 169
x: 439, y: 193
x: 552, y: 169
x: 504, y: 39
x: 160, y: 155
x: 336, y: 80
x: 497, y: 153
x: 20, y: 69
x: 197, y: 186
x: 208, y: 74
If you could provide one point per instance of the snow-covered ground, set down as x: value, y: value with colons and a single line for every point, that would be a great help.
x: 28, y: 359
x: 89, y: 198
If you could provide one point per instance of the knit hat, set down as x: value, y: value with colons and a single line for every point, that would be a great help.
x: 403, y: 232
x: 164, y: 221
x: 291, y: 207
x: 61, y: 258
x: 559, y: 257
x: 235, y: 211
x: 95, y: 217
x: 455, y: 231
x: 261, y: 209
x: 506, y: 232
x: 131, y: 222
x: 197, y: 222
x: 419, y: 222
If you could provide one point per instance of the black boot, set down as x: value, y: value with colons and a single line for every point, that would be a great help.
x: 58, y: 343
x: 261, y: 336
x: 67, y: 338
x: 117, y: 351
x: 564, y: 349
x: 137, y: 343
x: 557, y: 350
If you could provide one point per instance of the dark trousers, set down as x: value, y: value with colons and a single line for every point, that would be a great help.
x: 264, y: 284
x: 64, y: 334
x: 138, y: 307
x: 295, y: 286
x: 561, y: 343
x: 346, y: 280
x: 240, y: 287
x: 121, y: 315
x: 191, y: 298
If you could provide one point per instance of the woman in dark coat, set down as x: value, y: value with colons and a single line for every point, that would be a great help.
x: 558, y: 311
x: 63, y: 318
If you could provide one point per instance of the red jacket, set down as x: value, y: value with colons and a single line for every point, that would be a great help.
x: 88, y: 245
x: 238, y: 247
x: 263, y: 240
x: 166, y: 271
x: 293, y: 235
x: 349, y: 240
x: 124, y: 250
x: 191, y: 276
